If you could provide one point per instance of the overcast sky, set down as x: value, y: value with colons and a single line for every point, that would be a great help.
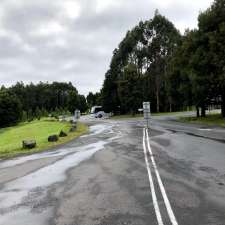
x: 73, y: 40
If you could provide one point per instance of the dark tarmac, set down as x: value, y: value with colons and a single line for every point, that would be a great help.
x: 101, y: 178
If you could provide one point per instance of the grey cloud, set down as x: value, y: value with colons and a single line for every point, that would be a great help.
x: 81, y: 52
x: 25, y: 17
x: 9, y: 48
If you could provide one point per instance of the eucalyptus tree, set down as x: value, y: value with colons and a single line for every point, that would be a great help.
x: 201, y: 58
x: 162, y: 39
x: 146, y: 49
x: 212, y: 30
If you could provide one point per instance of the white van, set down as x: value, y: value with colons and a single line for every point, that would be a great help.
x: 97, y: 112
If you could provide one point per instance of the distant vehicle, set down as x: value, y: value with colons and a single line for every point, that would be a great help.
x: 97, y: 112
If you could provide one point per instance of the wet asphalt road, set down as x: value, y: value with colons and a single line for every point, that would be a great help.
x: 101, y: 178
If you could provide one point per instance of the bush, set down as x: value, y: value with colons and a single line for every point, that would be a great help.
x: 10, y: 109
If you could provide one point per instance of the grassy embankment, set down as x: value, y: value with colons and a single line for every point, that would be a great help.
x: 11, y: 137
x: 211, y: 119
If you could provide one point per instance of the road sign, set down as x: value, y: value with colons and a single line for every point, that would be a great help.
x: 77, y: 114
x: 147, y: 113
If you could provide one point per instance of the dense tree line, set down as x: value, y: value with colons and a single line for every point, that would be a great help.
x: 154, y: 62
x: 94, y: 99
x: 26, y: 102
x: 10, y: 109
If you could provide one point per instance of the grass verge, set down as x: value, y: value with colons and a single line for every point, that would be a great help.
x: 167, y: 113
x: 129, y: 116
x: 11, y: 137
x: 211, y: 119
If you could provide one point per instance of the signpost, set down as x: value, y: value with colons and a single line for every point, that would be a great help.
x: 77, y: 115
x: 147, y: 113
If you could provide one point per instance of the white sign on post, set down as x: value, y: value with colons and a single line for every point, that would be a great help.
x: 77, y: 114
x: 147, y: 113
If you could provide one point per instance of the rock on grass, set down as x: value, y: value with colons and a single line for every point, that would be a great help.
x: 53, y: 138
x: 29, y: 144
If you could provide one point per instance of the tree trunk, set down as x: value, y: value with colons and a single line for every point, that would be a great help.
x: 170, y: 103
x: 197, y: 111
x: 157, y: 100
x: 223, y: 105
x: 203, y: 110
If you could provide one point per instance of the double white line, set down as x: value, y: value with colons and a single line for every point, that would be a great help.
x: 173, y: 220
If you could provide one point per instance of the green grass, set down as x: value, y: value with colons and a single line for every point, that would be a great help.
x: 11, y: 137
x: 129, y: 116
x: 167, y: 113
x: 211, y: 119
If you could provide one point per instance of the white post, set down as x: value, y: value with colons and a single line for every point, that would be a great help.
x: 147, y: 113
x: 77, y: 115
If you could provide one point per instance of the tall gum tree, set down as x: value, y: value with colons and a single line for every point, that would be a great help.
x: 146, y: 49
x: 212, y: 28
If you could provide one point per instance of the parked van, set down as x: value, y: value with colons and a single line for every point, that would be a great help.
x: 97, y: 112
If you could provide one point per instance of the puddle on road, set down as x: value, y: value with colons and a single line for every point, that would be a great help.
x: 14, y: 191
x: 99, y: 128
x: 205, y: 129
x: 23, y: 159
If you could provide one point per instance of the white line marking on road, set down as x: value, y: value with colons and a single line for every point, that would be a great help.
x: 154, y: 198
x: 161, y: 186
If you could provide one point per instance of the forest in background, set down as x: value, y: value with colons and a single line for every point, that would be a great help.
x: 27, y: 102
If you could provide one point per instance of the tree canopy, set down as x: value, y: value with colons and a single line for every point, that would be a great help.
x: 154, y: 62
x: 138, y: 67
